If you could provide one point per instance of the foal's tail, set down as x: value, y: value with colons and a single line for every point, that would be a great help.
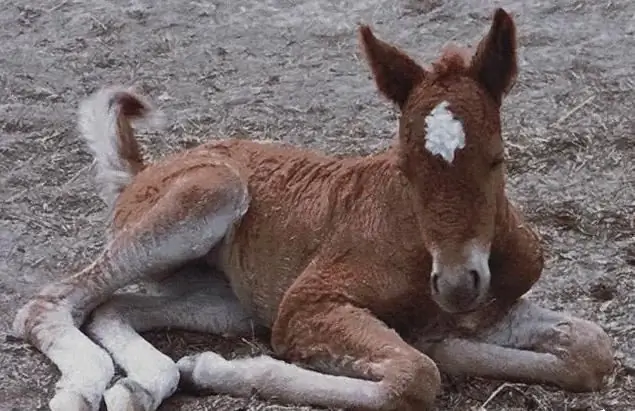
x: 105, y: 123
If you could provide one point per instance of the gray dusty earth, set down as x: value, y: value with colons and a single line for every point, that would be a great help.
x: 290, y: 70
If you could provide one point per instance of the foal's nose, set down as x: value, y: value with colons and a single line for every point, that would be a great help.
x: 474, y: 280
x: 458, y: 289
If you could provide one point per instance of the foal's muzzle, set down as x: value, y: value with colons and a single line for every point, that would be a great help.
x: 463, y: 286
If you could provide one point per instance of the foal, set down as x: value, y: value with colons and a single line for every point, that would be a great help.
x: 354, y: 265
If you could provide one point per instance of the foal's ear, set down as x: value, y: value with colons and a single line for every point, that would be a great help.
x: 395, y: 73
x: 494, y: 63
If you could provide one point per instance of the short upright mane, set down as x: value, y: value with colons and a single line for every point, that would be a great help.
x: 454, y: 61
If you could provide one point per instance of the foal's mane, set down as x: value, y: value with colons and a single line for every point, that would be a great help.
x: 454, y: 61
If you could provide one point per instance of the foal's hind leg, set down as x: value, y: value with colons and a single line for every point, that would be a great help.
x: 190, y: 214
x: 194, y: 300
x: 531, y: 344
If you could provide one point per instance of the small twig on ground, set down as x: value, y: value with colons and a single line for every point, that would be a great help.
x: 493, y: 395
x: 17, y: 195
x: 76, y: 175
x: 58, y: 6
x: 256, y: 348
x: 573, y: 110
x: 102, y: 25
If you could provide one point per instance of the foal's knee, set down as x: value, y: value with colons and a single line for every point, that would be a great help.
x: 587, y: 352
x: 413, y: 382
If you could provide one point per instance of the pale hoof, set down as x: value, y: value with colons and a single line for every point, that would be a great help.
x: 206, y: 371
x: 71, y: 401
x: 588, y: 353
x: 128, y: 395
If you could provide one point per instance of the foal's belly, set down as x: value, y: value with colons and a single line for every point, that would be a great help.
x: 258, y: 278
x: 263, y: 256
x: 261, y: 300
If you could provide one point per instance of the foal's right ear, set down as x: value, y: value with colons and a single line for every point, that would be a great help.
x: 395, y: 73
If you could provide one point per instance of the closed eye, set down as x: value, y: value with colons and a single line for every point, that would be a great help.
x: 498, y: 160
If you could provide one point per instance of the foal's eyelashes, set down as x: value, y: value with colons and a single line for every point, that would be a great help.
x: 498, y: 161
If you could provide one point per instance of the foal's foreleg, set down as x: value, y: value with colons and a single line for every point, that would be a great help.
x: 194, y: 301
x: 186, y: 221
x: 361, y: 364
x: 531, y: 345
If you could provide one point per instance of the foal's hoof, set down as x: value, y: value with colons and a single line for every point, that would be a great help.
x: 128, y: 395
x: 588, y: 355
x: 71, y: 401
x: 206, y: 371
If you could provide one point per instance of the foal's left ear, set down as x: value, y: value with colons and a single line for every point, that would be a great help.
x: 495, y: 64
x: 395, y: 73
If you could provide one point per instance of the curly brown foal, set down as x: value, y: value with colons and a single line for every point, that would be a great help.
x: 373, y: 273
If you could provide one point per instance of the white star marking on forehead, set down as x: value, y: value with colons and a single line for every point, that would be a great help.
x: 444, y: 133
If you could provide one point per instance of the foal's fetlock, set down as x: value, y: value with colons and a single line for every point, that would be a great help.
x: 66, y: 400
x: 128, y: 395
x: 74, y: 393
x: 411, y: 383
x: 425, y: 384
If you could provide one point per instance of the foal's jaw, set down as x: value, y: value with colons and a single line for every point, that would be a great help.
x: 460, y: 285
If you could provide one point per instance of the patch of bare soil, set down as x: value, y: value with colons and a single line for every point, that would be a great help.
x: 290, y: 70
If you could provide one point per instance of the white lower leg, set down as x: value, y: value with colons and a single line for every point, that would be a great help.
x: 271, y: 378
x: 190, y: 300
x: 85, y: 368
x: 151, y: 375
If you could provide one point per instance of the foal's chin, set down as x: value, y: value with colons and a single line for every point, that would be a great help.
x: 453, y: 306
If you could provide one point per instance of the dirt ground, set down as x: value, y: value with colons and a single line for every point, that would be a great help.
x: 290, y: 70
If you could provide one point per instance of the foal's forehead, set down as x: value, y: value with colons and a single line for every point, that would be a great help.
x: 444, y: 133
x: 454, y: 124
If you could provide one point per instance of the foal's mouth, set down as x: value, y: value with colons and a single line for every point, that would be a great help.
x: 459, y: 309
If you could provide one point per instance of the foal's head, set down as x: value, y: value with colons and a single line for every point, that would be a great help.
x: 450, y: 148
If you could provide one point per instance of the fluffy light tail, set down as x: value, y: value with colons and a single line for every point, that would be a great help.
x: 105, y: 123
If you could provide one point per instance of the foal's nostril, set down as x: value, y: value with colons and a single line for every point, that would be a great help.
x: 476, y: 278
x: 434, y: 282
